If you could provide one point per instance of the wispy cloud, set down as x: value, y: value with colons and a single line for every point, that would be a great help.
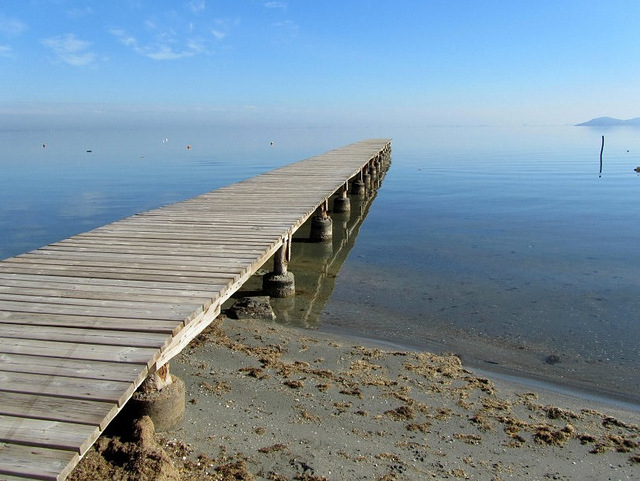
x: 5, y: 51
x: 11, y: 26
x: 70, y: 49
x: 196, y: 6
x: 174, y: 35
x: 218, y: 34
x: 282, y: 5
x: 124, y: 37
x: 223, y: 26
x: 163, y: 48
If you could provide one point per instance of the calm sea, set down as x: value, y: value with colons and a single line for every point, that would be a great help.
x: 506, y: 246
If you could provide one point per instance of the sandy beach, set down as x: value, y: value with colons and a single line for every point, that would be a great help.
x: 268, y: 402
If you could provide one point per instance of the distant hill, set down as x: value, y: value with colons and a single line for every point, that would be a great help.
x: 609, y: 122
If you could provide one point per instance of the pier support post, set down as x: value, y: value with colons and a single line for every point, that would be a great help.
x: 373, y: 170
x: 321, y: 225
x: 280, y: 282
x: 358, y: 186
x: 366, y: 177
x: 161, y: 396
x: 342, y: 203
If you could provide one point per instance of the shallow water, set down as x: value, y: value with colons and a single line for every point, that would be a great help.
x: 517, y: 257
x: 504, y: 246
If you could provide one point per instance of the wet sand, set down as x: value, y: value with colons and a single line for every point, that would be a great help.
x: 269, y: 402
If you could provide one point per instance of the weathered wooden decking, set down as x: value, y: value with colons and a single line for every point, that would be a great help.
x: 85, y: 320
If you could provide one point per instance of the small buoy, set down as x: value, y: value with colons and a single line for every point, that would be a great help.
x: 44, y: 146
x: 188, y: 147
x: 271, y: 143
x: 637, y: 169
x: 89, y: 151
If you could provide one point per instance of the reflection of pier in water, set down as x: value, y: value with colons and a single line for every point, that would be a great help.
x: 317, y: 264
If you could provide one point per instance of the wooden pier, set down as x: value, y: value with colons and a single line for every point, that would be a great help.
x: 84, y: 321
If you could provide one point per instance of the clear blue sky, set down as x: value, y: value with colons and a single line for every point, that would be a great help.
x: 404, y: 61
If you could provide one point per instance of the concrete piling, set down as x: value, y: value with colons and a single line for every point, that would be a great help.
x: 321, y: 225
x: 280, y: 282
x: 161, y: 396
x: 342, y: 204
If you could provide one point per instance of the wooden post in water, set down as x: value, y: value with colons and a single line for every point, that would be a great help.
x: 321, y: 225
x: 357, y: 186
x: 342, y: 203
x: 280, y: 282
x: 366, y: 177
x: 373, y: 170
x: 601, y: 150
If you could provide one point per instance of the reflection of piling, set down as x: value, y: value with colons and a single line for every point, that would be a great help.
x: 601, y: 150
x: 346, y: 226
x: 334, y: 242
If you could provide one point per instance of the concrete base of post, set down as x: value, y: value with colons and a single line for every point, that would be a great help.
x: 321, y: 229
x: 367, y: 180
x: 278, y: 285
x: 165, y: 407
x: 358, y: 187
x: 341, y: 205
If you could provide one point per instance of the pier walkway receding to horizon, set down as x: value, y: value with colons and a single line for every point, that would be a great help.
x: 84, y: 321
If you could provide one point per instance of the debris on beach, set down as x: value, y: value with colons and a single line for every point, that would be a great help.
x: 256, y: 307
x: 552, y: 359
x: 280, y: 403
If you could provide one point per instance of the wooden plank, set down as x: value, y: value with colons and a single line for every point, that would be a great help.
x: 161, y: 287
x: 108, y: 263
x: 164, y: 258
x: 221, y: 276
x: 66, y: 387
x: 82, y: 320
x: 268, y: 224
x: 180, y: 233
x: 6, y: 477
x: 102, y: 303
x: 177, y: 314
x: 38, y: 289
x: 47, y: 434
x: 80, y: 411
x: 131, y: 247
x: 248, y: 239
x: 80, y: 368
x: 31, y: 462
x: 65, y: 410
x: 84, y: 336
x: 69, y: 350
